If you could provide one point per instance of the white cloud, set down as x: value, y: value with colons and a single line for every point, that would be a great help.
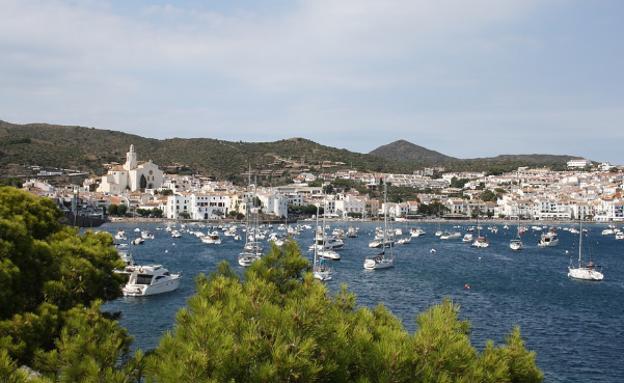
x: 321, y: 68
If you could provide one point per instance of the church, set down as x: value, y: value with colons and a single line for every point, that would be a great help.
x: 131, y: 176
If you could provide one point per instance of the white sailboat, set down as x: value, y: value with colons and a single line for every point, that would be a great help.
x: 481, y: 241
x: 516, y: 243
x: 320, y: 270
x: 252, y: 250
x: 587, y: 272
x: 382, y: 260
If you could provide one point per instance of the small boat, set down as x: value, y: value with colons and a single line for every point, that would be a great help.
x: 121, y: 236
x: 404, y: 241
x: 481, y: 242
x: 516, y: 244
x: 416, y: 232
x: 212, y: 238
x: 608, y: 231
x: 138, y: 241
x: 175, y: 234
x: 150, y: 280
x: 320, y: 270
x: 467, y: 238
x: 147, y: 235
x: 549, y: 239
x: 588, y: 272
x: 378, y: 243
x: 329, y: 254
x: 382, y: 261
x: 352, y: 232
x: 245, y: 258
x: 619, y: 235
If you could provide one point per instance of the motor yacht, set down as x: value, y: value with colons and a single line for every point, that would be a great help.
x: 150, y: 280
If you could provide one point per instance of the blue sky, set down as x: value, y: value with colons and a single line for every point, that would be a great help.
x: 467, y: 78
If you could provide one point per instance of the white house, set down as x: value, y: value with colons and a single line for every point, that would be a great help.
x: 578, y: 163
x: 131, y: 176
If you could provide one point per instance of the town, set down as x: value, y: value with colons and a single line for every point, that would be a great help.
x: 586, y: 190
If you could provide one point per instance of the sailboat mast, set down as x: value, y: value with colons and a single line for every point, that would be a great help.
x: 385, y: 209
x: 324, y: 215
x: 580, y: 240
x: 315, y: 234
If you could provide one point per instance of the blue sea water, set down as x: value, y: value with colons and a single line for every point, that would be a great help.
x: 576, y: 328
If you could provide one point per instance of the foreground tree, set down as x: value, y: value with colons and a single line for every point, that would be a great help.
x: 280, y: 325
x: 51, y: 279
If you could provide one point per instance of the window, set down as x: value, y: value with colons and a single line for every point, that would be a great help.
x: 143, y: 279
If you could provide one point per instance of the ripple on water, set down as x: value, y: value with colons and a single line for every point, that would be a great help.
x: 577, y: 329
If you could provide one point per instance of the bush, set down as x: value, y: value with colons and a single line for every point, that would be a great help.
x: 278, y: 324
x: 49, y: 274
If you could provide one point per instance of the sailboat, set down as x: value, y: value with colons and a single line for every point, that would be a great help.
x: 516, y: 243
x: 481, y: 241
x: 320, y: 270
x: 382, y: 261
x: 587, y: 272
x: 252, y: 250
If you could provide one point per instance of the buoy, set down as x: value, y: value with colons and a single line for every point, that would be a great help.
x: 567, y: 252
x: 166, y: 251
x: 479, y: 258
x: 466, y: 286
x: 432, y: 251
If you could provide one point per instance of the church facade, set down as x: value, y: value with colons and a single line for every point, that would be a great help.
x: 131, y: 176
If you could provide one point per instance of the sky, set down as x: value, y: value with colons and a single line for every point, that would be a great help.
x: 467, y: 78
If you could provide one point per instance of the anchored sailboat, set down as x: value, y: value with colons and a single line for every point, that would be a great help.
x: 587, y: 272
x: 382, y: 260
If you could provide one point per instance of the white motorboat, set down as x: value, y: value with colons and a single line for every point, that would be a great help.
x: 608, y: 231
x: 445, y: 235
x: 516, y: 244
x: 245, y: 259
x: 467, y: 238
x: 549, y: 239
x: 416, y: 232
x: 588, y: 272
x: 211, y: 239
x: 150, y: 280
x: 121, y: 236
x: 138, y: 241
x: 147, y: 235
x: 481, y: 242
x: 378, y: 243
x: 619, y: 236
x: 175, y: 234
x: 404, y: 241
x: 328, y: 254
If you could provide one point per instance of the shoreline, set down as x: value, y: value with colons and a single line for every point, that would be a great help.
x: 499, y: 221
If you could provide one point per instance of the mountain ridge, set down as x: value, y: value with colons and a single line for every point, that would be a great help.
x: 88, y: 148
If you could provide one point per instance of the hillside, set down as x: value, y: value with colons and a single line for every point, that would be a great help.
x: 89, y: 148
x: 406, y: 151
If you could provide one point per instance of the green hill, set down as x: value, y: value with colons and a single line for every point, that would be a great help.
x: 89, y: 148
x: 406, y: 151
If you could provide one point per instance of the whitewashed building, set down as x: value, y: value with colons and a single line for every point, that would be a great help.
x: 131, y: 176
